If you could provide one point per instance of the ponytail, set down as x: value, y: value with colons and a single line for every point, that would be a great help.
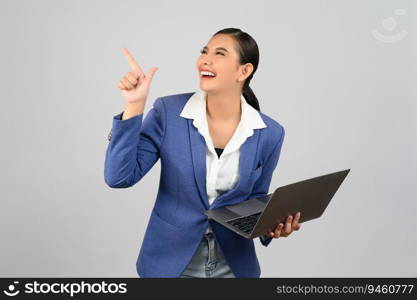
x: 250, y: 95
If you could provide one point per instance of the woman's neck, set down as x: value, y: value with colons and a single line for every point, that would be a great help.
x: 223, y: 107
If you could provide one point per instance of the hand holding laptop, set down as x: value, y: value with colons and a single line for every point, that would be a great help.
x: 290, y: 226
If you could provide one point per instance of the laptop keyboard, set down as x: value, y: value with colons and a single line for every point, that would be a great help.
x: 246, y: 223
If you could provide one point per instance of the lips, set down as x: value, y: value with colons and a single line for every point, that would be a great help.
x: 207, y: 70
x: 207, y: 76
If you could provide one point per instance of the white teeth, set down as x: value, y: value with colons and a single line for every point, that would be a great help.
x: 207, y: 73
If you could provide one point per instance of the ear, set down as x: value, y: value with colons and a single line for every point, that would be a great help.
x: 245, y: 71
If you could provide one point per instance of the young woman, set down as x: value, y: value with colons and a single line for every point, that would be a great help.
x: 216, y: 149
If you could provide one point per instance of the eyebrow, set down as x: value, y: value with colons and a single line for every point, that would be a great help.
x: 219, y: 48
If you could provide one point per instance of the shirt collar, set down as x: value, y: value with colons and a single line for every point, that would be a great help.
x: 195, y: 109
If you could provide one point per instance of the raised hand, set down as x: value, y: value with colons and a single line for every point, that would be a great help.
x: 135, y: 85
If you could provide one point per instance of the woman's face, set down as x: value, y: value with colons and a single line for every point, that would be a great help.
x: 221, y: 57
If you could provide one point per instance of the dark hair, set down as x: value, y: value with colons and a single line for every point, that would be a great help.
x: 249, y: 53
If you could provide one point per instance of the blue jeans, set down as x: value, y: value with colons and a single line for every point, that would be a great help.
x: 208, y: 261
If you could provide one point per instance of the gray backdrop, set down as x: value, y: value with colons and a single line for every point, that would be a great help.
x: 340, y: 76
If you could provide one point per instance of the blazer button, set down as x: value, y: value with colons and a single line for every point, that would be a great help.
x: 109, y: 136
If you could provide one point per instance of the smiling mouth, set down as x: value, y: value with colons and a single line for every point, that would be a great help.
x: 207, y: 77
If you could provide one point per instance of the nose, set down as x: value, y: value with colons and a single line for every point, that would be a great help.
x: 206, y: 62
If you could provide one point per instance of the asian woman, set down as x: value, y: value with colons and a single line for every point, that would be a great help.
x: 216, y: 148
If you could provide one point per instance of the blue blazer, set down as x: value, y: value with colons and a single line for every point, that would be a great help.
x: 177, y: 222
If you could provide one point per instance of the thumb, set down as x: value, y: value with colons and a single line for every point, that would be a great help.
x: 150, y: 74
x: 148, y: 78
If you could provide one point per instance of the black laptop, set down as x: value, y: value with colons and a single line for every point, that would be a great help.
x: 256, y: 217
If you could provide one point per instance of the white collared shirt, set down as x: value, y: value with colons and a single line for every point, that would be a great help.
x: 222, y: 172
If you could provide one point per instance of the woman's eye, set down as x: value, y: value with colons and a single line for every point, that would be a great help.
x: 204, y: 51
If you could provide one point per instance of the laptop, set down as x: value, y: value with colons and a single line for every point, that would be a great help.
x: 258, y: 216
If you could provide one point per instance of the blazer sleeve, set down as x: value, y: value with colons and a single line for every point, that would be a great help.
x: 134, y: 146
x: 261, y: 186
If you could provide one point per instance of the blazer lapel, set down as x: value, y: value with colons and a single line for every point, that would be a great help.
x: 198, y: 152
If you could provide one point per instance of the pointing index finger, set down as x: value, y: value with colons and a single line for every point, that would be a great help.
x: 132, y: 62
